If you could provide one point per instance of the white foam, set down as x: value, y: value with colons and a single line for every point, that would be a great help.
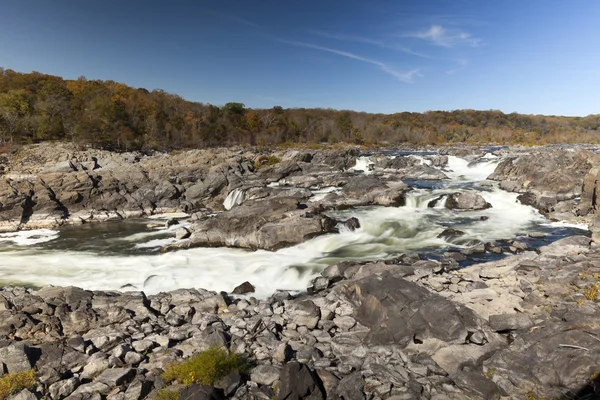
x: 363, y: 164
x: 561, y: 224
x: 29, y: 238
x: 320, y: 194
x: 423, y: 160
x: 234, y: 198
x: 459, y: 169
x: 155, y: 243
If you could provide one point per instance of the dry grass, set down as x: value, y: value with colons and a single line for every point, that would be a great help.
x: 15, y: 382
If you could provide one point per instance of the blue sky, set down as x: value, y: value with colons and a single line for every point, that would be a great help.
x: 535, y: 56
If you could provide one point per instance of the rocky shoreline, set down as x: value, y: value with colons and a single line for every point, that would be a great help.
x: 407, y: 329
x: 525, y: 326
x: 51, y: 185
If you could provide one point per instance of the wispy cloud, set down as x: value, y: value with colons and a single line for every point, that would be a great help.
x: 441, y: 36
x: 238, y: 20
x: 403, y: 76
x: 366, y: 40
x: 462, y: 64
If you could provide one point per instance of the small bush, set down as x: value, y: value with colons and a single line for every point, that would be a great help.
x: 15, y: 382
x: 592, y: 292
x: 205, y: 368
x: 264, y: 161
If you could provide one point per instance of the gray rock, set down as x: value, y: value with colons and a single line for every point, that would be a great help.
x: 24, y: 395
x: 116, y: 376
x: 283, y: 353
x: 97, y: 363
x: 424, y: 172
x: 62, y: 389
x: 230, y: 383
x: 244, y: 288
x: 297, y: 381
x: 16, y: 357
x: 265, y: 374
x: 345, y: 323
x: 352, y: 387
x: 182, y: 233
x: 304, y: 313
x: 510, y: 322
x: 475, y: 383
x: 466, y: 201
x: 133, y: 358
x: 397, y: 310
x: 138, y: 390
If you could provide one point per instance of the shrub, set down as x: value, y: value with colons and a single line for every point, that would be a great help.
x: 15, y: 382
x: 592, y: 292
x: 205, y: 368
x: 264, y: 161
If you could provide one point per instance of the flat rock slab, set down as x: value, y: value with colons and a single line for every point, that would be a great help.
x: 116, y: 376
x: 510, y: 322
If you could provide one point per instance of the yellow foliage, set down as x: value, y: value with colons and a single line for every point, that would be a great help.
x: 205, y: 368
x: 592, y: 292
x: 15, y: 382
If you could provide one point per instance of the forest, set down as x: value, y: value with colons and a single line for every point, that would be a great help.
x: 37, y: 107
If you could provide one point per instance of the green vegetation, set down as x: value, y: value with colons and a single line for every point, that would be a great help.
x: 265, y: 161
x: 37, y: 107
x: 15, y: 382
x: 205, y: 368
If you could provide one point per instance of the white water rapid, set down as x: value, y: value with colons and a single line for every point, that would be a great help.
x: 125, y: 256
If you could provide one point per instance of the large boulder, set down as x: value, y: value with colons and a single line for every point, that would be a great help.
x: 398, y: 311
x: 268, y: 224
x: 466, y: 201
x: 297, y: 381
x: 424, y: 172
x: 549, y: 174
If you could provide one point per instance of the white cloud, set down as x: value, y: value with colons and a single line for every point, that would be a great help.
x: 441, y: 36
x: 406, y: 76
x: 366, y: 40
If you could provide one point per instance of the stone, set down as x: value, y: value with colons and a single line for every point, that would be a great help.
x: 304, y: 313
x: 265, y: 374
x: 200, y: 392
x: 62, y: 389
x: 116, y: 376
x: 24, y: 395
x: 138, y: 390
x: 475, y: 383
x: 182, y: 233
x: 283, y: 353
x: 351, y: 387
x: 345, y: 323
x: 96, y: 364
x: 244, y: 288
x: 230, y: 383
x: 133, y: 358
x: 297, y: 381
x: 15, y: 357
x: 510, y: 322
x: 466, y: 201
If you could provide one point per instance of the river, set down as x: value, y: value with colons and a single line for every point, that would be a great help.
x: 126, y: 255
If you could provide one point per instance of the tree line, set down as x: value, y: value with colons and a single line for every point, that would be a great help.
x: 37, y: 107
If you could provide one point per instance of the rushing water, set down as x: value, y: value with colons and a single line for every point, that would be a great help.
x: 126, y: 255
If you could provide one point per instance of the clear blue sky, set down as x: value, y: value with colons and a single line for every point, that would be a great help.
x: 534, y: 56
